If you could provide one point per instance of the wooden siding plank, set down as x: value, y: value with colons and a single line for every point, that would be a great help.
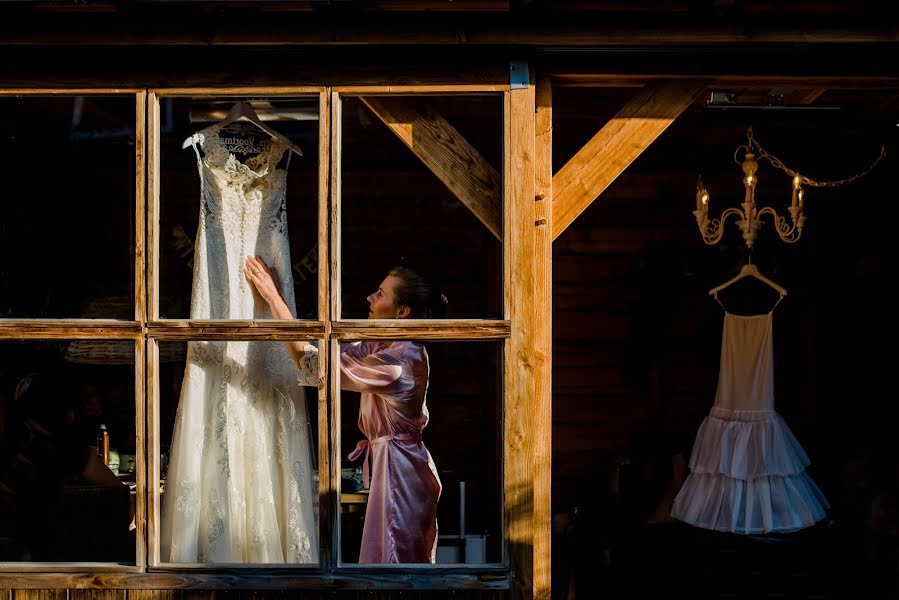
x: 155, y: 595
x: 40, y: 595
x: 97, y: 594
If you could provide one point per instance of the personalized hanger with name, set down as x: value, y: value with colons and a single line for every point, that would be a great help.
x: 243, y: 110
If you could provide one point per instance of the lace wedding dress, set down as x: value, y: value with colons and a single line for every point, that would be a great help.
x: 239, y: 482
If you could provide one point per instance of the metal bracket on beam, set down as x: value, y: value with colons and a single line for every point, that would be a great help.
x: 518, y: 75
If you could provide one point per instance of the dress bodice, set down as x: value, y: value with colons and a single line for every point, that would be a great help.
x: 242, y: 213
x: 746, y: 376
x: 233, y: 188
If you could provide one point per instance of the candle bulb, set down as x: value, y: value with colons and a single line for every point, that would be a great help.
x: 796, y: 191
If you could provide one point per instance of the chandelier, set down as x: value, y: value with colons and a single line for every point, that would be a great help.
x: 749, y: 217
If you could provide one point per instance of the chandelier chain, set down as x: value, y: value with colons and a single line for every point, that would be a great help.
x: 754, y: 147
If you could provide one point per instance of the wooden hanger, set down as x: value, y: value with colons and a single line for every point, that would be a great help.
x: 748, y: 270
x: 243, y: 110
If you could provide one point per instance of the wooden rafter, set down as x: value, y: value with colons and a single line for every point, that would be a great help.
x: 614, y: 147
x: 447, y: 154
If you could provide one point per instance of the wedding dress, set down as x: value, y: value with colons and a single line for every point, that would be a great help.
x: 239, y: 482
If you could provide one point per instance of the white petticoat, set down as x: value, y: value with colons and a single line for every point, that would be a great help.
x: 748, y: 476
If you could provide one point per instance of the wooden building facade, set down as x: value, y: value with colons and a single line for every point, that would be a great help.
x: 542, y: 159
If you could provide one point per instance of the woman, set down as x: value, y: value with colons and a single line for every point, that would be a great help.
x: 401, y: 516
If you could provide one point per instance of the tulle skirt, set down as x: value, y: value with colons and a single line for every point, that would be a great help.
x: 747, y: 475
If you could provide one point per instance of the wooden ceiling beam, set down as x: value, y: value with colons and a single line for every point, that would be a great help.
x: 447, y: 154
x: 155, y: 23
x: 614, y: 147
x: 762, y: 80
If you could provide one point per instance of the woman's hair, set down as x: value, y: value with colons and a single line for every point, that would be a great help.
x: 422, y: 297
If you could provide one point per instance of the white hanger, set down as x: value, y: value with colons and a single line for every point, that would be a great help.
x: 748, y: 270
x: 243, y: 110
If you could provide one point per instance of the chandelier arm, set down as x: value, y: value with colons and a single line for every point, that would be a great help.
x: 712, y: 229
x: 789, y: 233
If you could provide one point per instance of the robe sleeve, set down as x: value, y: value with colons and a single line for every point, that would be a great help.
x: 378, y: 372
x: 361, y: 369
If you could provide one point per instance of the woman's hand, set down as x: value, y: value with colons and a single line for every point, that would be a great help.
x: 264, y: 279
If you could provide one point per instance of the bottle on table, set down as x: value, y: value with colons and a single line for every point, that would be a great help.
x: 103, y: 444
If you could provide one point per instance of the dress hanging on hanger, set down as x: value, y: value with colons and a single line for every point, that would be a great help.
x: 747, y: 469
x: 239, y: 487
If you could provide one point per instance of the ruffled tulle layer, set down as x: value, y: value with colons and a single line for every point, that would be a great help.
x: 746, y: 444
x: 768, y: 504
x: 748, y: 476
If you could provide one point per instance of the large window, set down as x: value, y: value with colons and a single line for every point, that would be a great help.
x: 214, y: 427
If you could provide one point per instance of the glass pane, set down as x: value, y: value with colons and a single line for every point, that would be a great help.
x: 250, y: 195
x: 396, y: 211
x: 447, y: 445
x: 67, y: 222
x: 67, y: 446
x: 239, y: 454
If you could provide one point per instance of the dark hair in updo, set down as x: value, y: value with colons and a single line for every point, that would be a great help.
x: 422, y: 297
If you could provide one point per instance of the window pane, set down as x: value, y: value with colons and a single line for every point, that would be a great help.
x: 67, y: 490
x: 250, y: 195
x: 416, y: 446
x: 396, y: 211
x: 67, y: 221
x: 239, y: 455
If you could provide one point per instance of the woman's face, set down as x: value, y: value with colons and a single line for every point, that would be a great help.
x: 382, y: 304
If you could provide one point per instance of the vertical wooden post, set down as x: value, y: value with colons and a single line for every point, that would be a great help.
x: 324, y: 206
x: 520, y: 274
x: 326, y: 504
x: 151, y: 452
x: 152, y: 204
x: 333, y: 497
x: 543, y: 283
x: 336, y: 136
x: 140, y: 314
x: 333, y: 346
x: 147, y: 460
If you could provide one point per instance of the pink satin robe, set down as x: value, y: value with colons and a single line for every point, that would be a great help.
x: 401, y: 516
